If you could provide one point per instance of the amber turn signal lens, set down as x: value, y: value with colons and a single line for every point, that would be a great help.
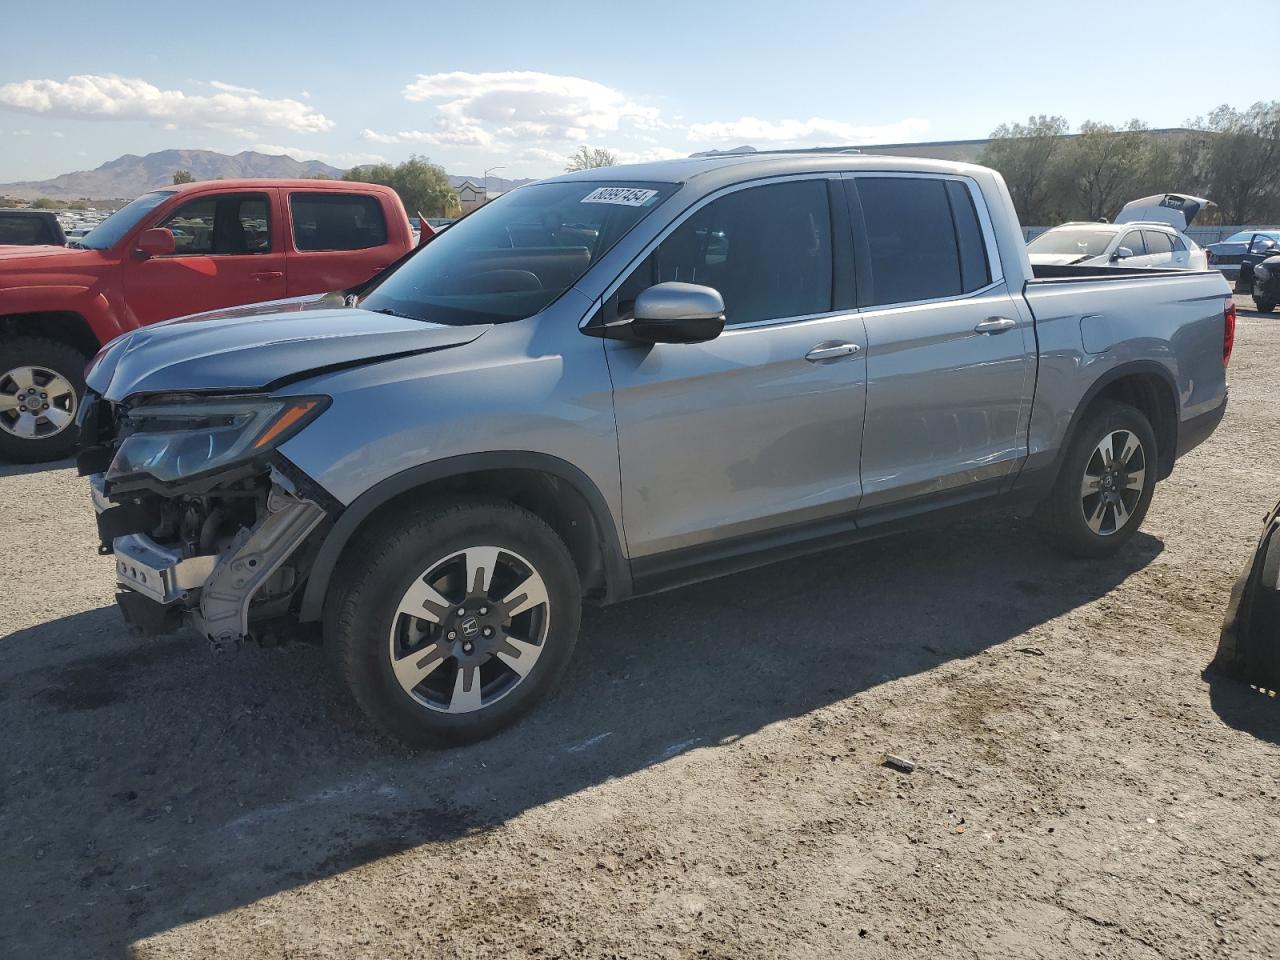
x: 286, y: 420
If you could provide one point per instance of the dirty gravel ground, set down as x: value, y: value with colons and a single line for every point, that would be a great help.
x: 708, y: 782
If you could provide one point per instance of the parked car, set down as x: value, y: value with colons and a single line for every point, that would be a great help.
x: 1146, y: 234
x: 1260, y: 277
x: 175, y: 251
x: 1249, y: 647
x: 1225, y: 255
x: 28, y: 228
x: 435, y: 476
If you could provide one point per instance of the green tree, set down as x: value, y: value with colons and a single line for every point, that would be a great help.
x: 1027, y: 155
x: 183, y: 176
x: 588, y: 158
x: 421, y: 184
x: 44, y: 203
x: 1104, y: 168
x: 1238, y: 161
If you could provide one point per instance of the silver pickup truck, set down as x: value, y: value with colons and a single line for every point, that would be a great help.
x: 623, y: 380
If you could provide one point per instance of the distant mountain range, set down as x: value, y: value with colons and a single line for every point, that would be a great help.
x: 128, y: 176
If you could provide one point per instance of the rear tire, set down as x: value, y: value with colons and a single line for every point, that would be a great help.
x: 1105, y: 484
x: 41, y: 386
x: 1264, y: 306
x: 500, y: 605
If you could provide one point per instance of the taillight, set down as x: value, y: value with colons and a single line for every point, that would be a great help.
x: 1228, y: 330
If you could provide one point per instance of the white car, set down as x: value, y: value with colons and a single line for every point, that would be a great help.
x: 1147, y: 233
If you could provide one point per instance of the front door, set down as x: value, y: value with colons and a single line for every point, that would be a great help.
x: 759, y: 429
x: 950, y: 353
x: 226, y: 255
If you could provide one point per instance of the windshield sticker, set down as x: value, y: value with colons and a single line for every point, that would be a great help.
x: 622, y: 196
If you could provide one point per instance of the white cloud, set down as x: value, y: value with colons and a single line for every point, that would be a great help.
x: 232, y: 88
x: 338, y: 159
x: 815, y: 130
x: 457, y: 137
x: 131, y: 98
x: 22, y: 133
x: 649, y: 155
x: 481, y: 109
x: 58, y: 134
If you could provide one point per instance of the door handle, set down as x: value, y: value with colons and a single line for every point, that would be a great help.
x: 268, y: 275
x: 995, y: 325
x: 831, y: 350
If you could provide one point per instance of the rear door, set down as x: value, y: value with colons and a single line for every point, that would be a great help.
x: 950, y: 349
x: 338, y: 240
x: 1160, y: 249
x: 754, y: 431
x: 227, y: 253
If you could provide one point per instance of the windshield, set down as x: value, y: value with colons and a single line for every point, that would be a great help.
x: 109, y: 231
x: 1081, y: 243
x: 514, y: 256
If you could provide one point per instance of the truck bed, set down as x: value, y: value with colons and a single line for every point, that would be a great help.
x: 1069, y: 271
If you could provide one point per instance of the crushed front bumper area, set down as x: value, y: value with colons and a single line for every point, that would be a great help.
x: 163, y: 585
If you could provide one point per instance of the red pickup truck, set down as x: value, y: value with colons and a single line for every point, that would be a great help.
x: 173, y: 252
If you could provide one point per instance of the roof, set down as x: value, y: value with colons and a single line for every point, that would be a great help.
x: 1114, y: 227
x: 258, y: 183
x: 759, y: 164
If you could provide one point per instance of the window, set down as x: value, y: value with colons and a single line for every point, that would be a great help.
x: 337, y: 221
x: 925, y: 239
x: 516, y: 254
x: 25, y: 230
x: 109, y: 231
x: 1133, y: 240
x: 1178, y: 245
x: 1073, y: 241
x: 1157, y: 243
x: 226, y: 225
x: 766, y: 249
x: 975, y: 271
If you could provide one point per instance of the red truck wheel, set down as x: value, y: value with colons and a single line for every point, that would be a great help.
x: 41, y: 383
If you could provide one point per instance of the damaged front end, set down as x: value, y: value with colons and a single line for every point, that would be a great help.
x: 208, y: 524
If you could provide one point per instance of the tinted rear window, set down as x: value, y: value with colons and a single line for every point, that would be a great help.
x: 337, y: 221
x: 24, y: 230
x: 916, y: 239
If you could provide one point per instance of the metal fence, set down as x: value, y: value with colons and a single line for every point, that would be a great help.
x: 1201, y: 235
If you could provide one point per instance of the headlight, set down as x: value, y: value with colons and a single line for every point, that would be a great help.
x: 182, y: 439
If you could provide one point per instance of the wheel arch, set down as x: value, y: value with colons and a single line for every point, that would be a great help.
x: 1150, y: 388
x: 553, y: 489
x: 65, y: 326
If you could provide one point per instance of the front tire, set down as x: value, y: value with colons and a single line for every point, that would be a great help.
x: 1105, y: 484
x: 454, y: 620
x: 1264, y: 306
x: 41, y: 386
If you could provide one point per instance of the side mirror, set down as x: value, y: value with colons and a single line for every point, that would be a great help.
x: 157, y: 242
x: 678, y: 313
x: 1122, y: 253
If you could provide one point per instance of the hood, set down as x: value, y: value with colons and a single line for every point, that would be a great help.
x: 1059, y: 259
x: 1176, y: 209
x: 261, y: 347
x: 45, y: 253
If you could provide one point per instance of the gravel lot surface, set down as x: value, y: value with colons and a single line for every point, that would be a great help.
x: 709, y: 781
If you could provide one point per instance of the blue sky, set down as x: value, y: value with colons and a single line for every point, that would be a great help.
x: 523, y: 84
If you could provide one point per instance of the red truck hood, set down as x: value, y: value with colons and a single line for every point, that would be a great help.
x: 46, y: 255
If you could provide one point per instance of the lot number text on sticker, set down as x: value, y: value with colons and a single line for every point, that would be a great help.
x: 623, y: 196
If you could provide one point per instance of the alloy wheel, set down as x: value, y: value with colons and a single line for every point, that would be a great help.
x: 469, y: 630
x: 1113, y: 481
x: 36, y: 402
